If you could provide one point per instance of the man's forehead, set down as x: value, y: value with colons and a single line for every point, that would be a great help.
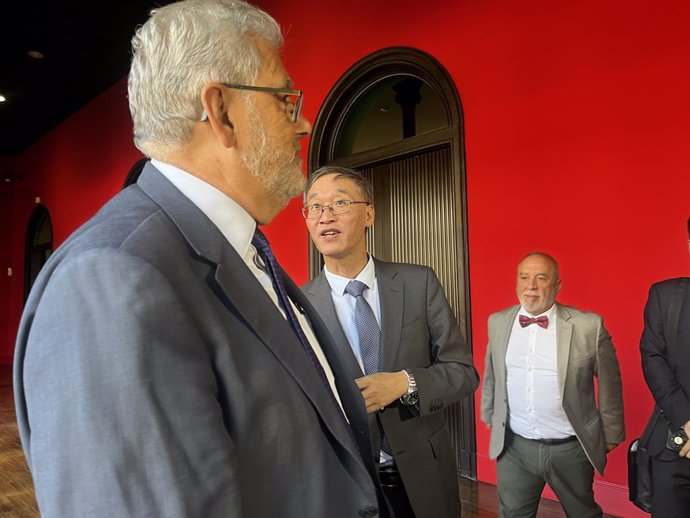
x: 313, y: 193
x: 536, y: 264
x: 342, y: 185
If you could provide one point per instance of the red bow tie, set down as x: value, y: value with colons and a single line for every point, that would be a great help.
x: 542, y: 322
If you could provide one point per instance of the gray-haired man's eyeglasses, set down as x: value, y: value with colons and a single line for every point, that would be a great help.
x: 315, y: 210
x: 291, y: 99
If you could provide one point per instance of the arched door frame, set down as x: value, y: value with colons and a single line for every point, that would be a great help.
x: 32, y: 249
x: 332, y: 115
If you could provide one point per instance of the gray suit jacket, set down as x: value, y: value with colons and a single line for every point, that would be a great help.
x: 585, y: 351
x: 420, y: 333
x: 154, y: 377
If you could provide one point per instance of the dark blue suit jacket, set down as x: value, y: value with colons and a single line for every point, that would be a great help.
x: 155, y: 377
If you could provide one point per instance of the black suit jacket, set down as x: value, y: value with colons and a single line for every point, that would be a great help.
x: 669, y: 385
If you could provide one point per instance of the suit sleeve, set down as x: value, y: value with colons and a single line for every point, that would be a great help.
x: 660, y: 377
x: 488, y: 384
x: 610, y: 388
x: 122, y: 399
x: 451, y: 375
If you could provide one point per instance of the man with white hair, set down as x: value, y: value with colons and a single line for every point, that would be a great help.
x: 166, y: 366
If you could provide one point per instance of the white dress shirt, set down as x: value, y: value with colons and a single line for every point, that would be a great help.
x: 238, y: 227
x: 534, y: 399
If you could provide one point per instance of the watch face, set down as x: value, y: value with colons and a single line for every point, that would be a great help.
x: 411, y: 399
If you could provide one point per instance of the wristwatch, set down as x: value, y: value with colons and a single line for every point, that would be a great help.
x: 411, y: 397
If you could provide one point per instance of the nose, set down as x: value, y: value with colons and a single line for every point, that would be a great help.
x: 326, y: 215
x: 303, y: 127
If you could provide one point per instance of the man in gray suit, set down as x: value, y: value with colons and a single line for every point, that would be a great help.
x: 418, y: 362
x: 538, y: 396
x: 165, y: 365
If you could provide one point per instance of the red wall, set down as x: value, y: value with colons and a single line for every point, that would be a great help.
x: 577, y: 120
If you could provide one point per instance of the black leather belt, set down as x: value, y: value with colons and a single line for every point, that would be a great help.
x: 554, y: 442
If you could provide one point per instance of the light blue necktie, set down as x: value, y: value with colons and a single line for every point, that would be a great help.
x: 368, y: 330
x: 369, y: 336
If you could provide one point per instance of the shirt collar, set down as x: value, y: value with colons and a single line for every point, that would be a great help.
x: 549, y: 313
x: 338, y: 283
x: 235, y: 223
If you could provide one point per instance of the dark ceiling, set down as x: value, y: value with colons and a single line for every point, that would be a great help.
x: 86, y: 48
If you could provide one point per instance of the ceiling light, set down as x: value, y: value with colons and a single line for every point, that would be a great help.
x: 12, y: 177
x: 35, y: 54
x: 2, y: 98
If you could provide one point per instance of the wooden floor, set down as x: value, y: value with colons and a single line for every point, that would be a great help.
x: 17, y: 494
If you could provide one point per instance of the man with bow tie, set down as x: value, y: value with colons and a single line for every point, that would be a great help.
x: 541, y: 362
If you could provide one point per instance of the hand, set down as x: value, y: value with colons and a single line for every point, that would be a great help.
x: 685, y: 450
x: 610, y: 446
x: 381, y: 389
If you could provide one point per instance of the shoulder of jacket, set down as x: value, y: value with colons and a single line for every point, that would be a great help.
x: 668, y: 283
x: 503, y: 312
x: 407, y: 267
x: 313, y: 282
x: 578, y: 313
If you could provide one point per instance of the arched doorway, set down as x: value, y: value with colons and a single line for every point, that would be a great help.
x: 39, y: 245
x: 396, y: 117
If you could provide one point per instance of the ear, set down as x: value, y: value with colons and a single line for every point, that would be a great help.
x: 216, y: 103
x: 369, y: 216
x: 558, y: 287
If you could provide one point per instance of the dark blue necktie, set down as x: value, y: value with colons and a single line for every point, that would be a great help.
x: 271, y: 267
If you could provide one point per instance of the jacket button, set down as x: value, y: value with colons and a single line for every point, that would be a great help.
x: 368, y: 512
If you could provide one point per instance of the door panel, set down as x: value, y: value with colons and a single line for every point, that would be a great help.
x: 417, y: 222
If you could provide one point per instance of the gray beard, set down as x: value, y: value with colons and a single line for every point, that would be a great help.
x: 280, y: 173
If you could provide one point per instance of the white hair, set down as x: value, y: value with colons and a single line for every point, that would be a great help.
x: 177, y: 51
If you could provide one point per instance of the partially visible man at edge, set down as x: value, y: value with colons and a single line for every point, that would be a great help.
x: 165, y: 365
x: 665, y: 353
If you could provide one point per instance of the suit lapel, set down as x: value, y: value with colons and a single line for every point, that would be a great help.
x: 502, y: 330
x: 392, y: 302
x: 319, y: 292
x: 342, y: 362
x: 563, y: 339
x: 243, y: 295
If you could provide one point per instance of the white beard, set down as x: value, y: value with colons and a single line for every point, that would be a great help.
x: 276, y: 167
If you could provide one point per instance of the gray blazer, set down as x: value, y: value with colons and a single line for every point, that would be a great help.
x: 421, y: 333
x: 585, y: 351
x: 154, y: 377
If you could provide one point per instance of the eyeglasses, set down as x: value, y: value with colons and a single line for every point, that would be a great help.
x: 338, y: 207
x: 292, y: 99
